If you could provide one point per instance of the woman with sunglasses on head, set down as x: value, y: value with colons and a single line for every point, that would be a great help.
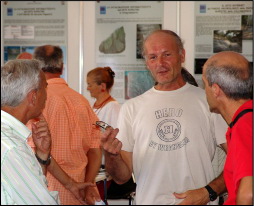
x: 99, y: 83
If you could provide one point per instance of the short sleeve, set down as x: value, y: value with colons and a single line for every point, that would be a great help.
x: 125, y: 128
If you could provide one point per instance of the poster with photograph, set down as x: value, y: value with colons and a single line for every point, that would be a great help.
x: 137, y: 82
x: 120, y: 30
x: 222, y: 26
x: 28, y: 24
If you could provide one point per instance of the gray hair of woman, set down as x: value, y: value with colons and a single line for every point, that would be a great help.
x: 234, y: 82
x: 18, y: 78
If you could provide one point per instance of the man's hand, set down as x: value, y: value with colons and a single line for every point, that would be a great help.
x: 41, y: 137
x: 78, y: 190
x: 109, y: 142
x: 92, y: 195
x: 194, y: 197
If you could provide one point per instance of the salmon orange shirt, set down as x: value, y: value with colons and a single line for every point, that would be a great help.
x: 71, y: 122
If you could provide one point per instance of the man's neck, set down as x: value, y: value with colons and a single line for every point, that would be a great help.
x: 229, y: 109
x: 51, y: 76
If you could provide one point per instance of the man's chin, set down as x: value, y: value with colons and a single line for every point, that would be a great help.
x: 214, y: 110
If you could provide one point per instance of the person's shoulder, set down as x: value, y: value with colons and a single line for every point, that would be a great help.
x: 196, y: 89
x: 9, y: 140
x: 139, y: 97
x: 69, y: 96
x: 138, y: 100
x: 73, y: 93
x: 196, y: 92
x: 246, y: 120
x: 113, y: 104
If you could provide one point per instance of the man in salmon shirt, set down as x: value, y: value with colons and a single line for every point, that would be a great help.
x: 228, y: 79
x: 71, y: 120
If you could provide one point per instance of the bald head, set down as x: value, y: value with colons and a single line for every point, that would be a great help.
x: 229, y: 59
x: 51, y: 57
x: 232, y: 72
x: 24, y: 55
x: 158, y: 34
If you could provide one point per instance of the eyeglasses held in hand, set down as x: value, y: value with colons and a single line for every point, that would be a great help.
x: 102, y: 125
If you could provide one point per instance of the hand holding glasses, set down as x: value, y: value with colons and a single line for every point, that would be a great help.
x: 102, y: 125
x: 109, y: 141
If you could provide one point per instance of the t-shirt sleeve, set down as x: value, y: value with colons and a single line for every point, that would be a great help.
x: 125, y: 128
x: 111, y: 114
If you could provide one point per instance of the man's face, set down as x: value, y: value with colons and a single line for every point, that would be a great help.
x: 164, y: 59
x: 209, y: 92
x: 41, y: 95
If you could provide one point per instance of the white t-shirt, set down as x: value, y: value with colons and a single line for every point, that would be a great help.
x: 109, y: 113
x: 173, y: 139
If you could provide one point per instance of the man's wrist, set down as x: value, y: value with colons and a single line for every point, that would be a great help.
x: 43, y: 160
x: 111, y: 155
x: 212, y: 194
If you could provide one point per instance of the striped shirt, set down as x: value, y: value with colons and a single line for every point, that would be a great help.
x: 22, y: 179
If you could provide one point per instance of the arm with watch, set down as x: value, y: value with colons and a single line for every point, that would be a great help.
x: 208, y: 193
x: 42, y: 140
x: 205, y: 194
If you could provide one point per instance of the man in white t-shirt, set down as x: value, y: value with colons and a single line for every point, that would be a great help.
x: 167, y: 136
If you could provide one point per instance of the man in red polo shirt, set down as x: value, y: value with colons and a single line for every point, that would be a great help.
x: 228, y: 80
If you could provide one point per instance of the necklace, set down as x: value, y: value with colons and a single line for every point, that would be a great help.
x: 100, y: 106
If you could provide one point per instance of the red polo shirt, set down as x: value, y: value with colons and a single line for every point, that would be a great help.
x: 239, y: 161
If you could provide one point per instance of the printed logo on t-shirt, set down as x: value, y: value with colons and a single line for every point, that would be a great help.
x: 168, y: 130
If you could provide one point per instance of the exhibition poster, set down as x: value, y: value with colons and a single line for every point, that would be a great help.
x: 120, y: 29
x: 28, y: 24
x: 222, y: 26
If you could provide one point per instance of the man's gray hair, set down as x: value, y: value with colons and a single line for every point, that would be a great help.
x: 179, y: 41
x: 234, y: 82
x: 18, y: 78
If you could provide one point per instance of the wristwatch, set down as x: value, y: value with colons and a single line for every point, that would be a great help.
x: 44, y: 162
x: 212, y: 194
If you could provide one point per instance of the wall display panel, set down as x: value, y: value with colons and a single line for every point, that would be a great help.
x: 28, y: 24
x: 222, y: 26
x: 120, y: 29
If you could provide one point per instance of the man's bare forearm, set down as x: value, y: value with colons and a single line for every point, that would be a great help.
x: 94, y: 163
x: 218, y: 184
x: 117, y: 168
x: 245, y: 191
x: 59, y: 173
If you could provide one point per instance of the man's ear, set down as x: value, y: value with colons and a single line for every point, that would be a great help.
x: 217, y: 92
x: 31, y: 97
x: 183, y: 56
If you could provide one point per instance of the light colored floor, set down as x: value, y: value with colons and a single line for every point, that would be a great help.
x: 118, y: 202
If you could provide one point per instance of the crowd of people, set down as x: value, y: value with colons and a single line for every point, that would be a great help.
x: 52, y: 150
